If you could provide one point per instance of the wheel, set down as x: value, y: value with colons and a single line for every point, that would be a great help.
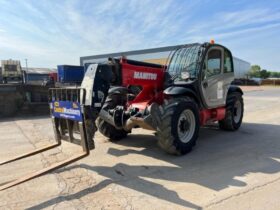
x: 178, y: 132
x: 107, y: 129
x: 234, y: 112
x: 110, y: 131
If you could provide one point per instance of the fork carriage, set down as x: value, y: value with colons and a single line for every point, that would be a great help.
x: 68, y: 119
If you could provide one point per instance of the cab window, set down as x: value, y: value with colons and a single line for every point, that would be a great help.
x: 213, y: 63
x: 227, y: 62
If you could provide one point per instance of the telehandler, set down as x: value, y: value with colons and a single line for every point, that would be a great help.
x: 173, y: 100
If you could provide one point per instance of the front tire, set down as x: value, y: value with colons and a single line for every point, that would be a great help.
x: 108, y: 130
x: 112, y: 133
x: 234, y: 112
x: 179, y: 128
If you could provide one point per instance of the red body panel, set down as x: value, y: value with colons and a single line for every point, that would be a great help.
x: 53, y: 76
x: 151, y: 80
x: 215, y: 114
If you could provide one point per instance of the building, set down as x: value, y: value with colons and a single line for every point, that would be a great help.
x: 1, y: 79
x: 241, y: 68
x: 160, y: 56
x: 36, y: 75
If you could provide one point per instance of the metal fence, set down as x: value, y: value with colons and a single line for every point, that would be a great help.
x: 270, y: 82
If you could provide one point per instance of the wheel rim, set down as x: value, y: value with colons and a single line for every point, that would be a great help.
x: 237, y: 111
x: 186, y: 126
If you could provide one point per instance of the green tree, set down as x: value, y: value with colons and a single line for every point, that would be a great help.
x: 255, y: 71
x: 275, y: 74
x: 264, y: 74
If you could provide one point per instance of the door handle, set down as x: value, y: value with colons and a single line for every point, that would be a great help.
x: 205, y: 84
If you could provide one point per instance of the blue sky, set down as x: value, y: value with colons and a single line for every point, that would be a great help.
x: 49, y: 32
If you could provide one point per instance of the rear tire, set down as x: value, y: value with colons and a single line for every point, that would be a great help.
x: 234, y: 112
x: 107, y: 129
x: 179, y: 128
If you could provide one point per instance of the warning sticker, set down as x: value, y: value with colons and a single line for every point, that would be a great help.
x: 220, y: 91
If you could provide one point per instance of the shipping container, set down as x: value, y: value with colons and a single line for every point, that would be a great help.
x: 70, y: 74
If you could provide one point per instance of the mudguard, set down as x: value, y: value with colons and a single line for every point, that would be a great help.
x: 118, y: 90
x: 235, y: 88
x: 176, y: 91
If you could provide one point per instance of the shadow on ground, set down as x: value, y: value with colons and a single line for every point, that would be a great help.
x: 218, y: 158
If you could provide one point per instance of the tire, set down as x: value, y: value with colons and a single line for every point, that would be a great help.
x: 110, y: 131
x: 178, y: 132
x: 107, y: 129
x: 234, y: 112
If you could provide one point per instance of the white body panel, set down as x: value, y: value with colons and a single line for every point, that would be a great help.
x: 87, y: 83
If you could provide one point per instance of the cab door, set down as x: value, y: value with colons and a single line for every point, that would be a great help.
x: 212, y: 81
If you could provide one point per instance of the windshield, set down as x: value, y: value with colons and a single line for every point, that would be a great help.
x: 184, y: 60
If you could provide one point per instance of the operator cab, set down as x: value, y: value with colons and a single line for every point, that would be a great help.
x: 204, y: 69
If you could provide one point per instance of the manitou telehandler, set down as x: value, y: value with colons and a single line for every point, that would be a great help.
x: 174, y: 100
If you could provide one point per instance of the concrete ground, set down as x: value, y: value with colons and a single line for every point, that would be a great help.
x: 226, y: 170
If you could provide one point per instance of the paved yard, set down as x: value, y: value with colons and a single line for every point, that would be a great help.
x: 226, y: 170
